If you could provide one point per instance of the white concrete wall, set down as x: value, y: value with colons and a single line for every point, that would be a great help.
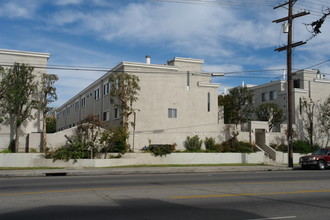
x: 37, y: 160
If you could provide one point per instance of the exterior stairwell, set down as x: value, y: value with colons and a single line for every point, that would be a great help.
x: 270, y: 153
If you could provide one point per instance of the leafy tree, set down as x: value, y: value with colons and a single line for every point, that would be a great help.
x: 124, y: 92
x: 48, y: 96
x: 50, y: 123
x: 237, y: 107
x: 308, y: 106
x: 114, y: 140
x: 20, y: 96
x: 271, y: 113
x: 5, y: 82
x: 324, y: 118
x: 88, y: 133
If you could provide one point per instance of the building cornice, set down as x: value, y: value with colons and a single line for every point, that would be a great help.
x: 24, y: 53
x: 206, y: 84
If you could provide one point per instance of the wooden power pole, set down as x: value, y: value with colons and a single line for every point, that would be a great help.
x: 288, y: 49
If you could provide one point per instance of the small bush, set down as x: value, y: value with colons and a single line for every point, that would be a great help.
x: 211, y: 145
x: 76, y: 150
x: 237, y: 146
x: 193, y: 144
x: 301, y: 146
x: 6, y: 151
x: 161, y: 149
x: 245, y: 147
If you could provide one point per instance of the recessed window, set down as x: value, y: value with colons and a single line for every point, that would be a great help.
x: 83, y: 102
x: 264, y: 96
x: 105, y: 116
x: 96, y: 94
x: 172, y: 113
x: 76, y: 105
x: 208, y: 102
x: 273, y: 95
x: 106, y: 89
x: 116, y: 113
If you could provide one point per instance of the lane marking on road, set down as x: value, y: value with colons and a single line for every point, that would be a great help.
x: 154, y: 187
x: 275, y: 218
x: 248, y: 194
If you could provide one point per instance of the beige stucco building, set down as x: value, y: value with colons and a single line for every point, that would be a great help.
x: 306, y: 83
x: 39, y: 62
x: 176, y: 100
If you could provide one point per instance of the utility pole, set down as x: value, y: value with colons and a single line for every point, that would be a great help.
x: 288, y: 49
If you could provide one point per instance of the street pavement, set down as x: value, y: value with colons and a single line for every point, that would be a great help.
x: 140, y: 170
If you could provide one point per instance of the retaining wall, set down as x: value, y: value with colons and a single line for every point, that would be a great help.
x: 37, y: 160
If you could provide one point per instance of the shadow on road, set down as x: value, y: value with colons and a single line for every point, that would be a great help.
x: 129, y: 209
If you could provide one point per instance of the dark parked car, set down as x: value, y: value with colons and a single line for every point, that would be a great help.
x: 319, y: 159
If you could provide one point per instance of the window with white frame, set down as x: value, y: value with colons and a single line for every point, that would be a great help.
x: 83, y: 101
x: 76, y: 105
x: 105, y: 116
x: 273, y: 95
x: 264, y: 96
x: 106, y: 88
x: 208, y: 102
x: 97, y: 94
x: 116, y: 112
x: 172, y: 113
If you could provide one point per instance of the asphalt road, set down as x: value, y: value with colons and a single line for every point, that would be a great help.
x: 293, y: 194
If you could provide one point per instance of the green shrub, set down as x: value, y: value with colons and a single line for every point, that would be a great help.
x: 301, y: 146
x: 193, y: 144
x: 245, y: 147
x: 237, y: 146
x: 6, y: 151
x: 161, y: 149
x: 76, y: 150
x: 211, y: 145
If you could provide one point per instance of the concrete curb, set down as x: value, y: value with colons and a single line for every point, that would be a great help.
x: 138, y: 171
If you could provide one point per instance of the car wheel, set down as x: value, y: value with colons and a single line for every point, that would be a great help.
x: 321, y: 165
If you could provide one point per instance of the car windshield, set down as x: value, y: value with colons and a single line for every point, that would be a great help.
x: 321, y: 152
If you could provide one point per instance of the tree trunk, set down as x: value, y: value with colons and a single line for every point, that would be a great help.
x: 43, y: 137
x: 16, y: 139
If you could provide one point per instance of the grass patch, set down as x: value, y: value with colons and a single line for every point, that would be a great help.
x: 191, y: 165
x: 30, y: 168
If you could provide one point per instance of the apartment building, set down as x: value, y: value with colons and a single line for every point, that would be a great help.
x: 39, y: 62
x: 176, y: 100
x: 306, y: 83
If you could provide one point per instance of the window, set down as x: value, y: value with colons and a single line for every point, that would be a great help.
x: 117, y: 83
x: 296, y: 83
x: 105, y: 116
x: 83, y: 102
x: 76, y: 105
x: 106, y: 89
x: 264, y: 97
x: 273, y: 95
x: 208, y: 102
x: 96, y: 94
x: 116, y: 113
x: 172, y: 113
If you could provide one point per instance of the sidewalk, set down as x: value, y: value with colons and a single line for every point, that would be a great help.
x: 139, y: 170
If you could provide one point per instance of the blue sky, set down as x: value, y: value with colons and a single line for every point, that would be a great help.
x: 102, y: 33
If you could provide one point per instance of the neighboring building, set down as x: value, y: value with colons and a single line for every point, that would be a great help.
x: 306, y: 83
x: 39, y: 62
x: 176, y: 100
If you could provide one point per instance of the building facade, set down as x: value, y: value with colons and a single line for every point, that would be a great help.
x: 306, y: 84
x: 7, y: 129
x: 176, y: 100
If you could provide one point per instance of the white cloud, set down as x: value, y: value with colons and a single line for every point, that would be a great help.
x: 67, y: 2
x: 18, y: 9
x: 198, y: 30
